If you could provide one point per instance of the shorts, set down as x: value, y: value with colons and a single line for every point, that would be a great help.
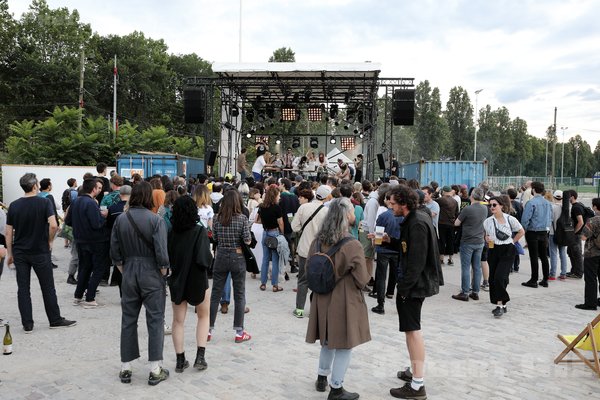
x: 484, y: 253
x: 367, y: 244
x: 409, y: 313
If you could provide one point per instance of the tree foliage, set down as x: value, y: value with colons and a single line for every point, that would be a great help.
x: 283, y: 54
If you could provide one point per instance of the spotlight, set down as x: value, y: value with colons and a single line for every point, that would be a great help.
x: 262, y: 127
x: 261, y: 117
x: 332, y: 140
x: 248, y: 135
x: 296, y: 97
x: 265, y: 91
x: 346, y: 127
x: 288, y: 113
x: 361, y: 135
x: 253, y: 130
x: 270, y: 110
x: 295, y: 142
x: 234, y: 110
x: 278, y: 141
x: 333, y: 110
x: 315, y: 113
x: 307, y: 94
x: 337, y: 123
x: 355, y: 131
x: 250, y: 115
x: 330, y: 91
x: 314, y: 142
x: 350, y: 116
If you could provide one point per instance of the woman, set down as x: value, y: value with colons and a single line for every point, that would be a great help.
x: 358, y: 166
x: 559, y: 206
x: 158, y: 194
x: 339, y: 319
x: 499, y: 229
x: 230, y: 229
x: 271, y: 217
x: 311, y: 162
x: 139, y: 250
x: 204, y: 204
x: 190, y: 257
x: 166, y: 210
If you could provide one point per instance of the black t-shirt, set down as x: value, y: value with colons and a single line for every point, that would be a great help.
x: 269, y: 216
x: 29, y: 218
x: 289, y: 204
x: 105, y: 188
x: 576, y: 210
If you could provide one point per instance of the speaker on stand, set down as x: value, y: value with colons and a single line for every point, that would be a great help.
x: 404, y: 107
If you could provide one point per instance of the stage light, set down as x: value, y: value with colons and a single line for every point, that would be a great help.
x: 336, y: 123
x: 265, y: 91
x: 355, y: 131
x: 248, y: 135
x: 250, y: 115
x: 350, y: 116
x: 314, y: 142
x: 234, y: 110
x: 330, y: 91
x: 332, y: 140
x: 288, y: 113
x: 346, y: 127
x: 361, y: 135
x: 361, y: 116
x: 295, y: 142
x: 278, y: 141
x: 270, y: 110
x: 315, y: 113
x: 351, y: 91
x: 333, y: 110
x: 307, y: 94
x: 243, y: 91
x: 253, y: 130
x: 262, y: 127
x: 261, y: 117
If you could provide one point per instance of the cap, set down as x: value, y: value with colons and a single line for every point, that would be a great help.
x: 322, y: 192
x: 125, y: 190
x: 558, y: 194
x: 446, y: 189
x: 298, y: 178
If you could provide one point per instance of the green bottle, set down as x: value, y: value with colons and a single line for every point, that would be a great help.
x: 7, y: 341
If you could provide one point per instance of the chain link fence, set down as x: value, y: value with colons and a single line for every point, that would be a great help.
x: 583, y: 185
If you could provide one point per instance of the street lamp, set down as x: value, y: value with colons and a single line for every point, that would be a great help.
x: 562, y: 166
x: 576, y: 154
x: 476, y: 125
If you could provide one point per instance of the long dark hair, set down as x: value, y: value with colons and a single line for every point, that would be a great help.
x: 141, y: 196
x: 230, y: 206
x: 185, y: 214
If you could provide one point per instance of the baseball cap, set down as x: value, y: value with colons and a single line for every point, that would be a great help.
x: 447, y: 189
x: 322, y: 192
x: 558, y: 194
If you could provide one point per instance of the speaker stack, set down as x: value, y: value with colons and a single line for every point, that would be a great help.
x: 193, y: 105
x: 404, y: 107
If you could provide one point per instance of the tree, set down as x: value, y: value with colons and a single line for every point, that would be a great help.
x: 459, y: 117
x: 283, y: 54
x: 430, y: 127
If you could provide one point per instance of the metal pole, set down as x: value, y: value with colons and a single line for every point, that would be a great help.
x: 115, y: 98
x: 546, y: 166
x: 562, y: 166
x: 81, y: 71
x: 576, y: 154
x: 476, y: 124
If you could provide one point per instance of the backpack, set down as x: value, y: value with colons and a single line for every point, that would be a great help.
x: 319, y: 268
x: 66, y: 199
x: 587, y: 213
x: 564, y: 231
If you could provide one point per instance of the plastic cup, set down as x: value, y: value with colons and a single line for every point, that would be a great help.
x: 379, y: 231
x: 491, y: 244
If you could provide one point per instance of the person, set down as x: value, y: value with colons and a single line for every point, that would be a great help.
x: 29, y: 234
x: 536, y: 220
x: 309, y: 218
x: 288, y: 160
x: 344, y: 171
x: 242, y: 165
x: 92, y: 240
x: 101, y: 169
x: 139, y: 249
x: 322, y: 165
x: 113, y: 213
x: 368, y: 226
x: 591, y: 259
x: 158, y: 194
x: 433, y: 206
x: 422, y: 278
x: 166, y: 210
x: 230, y: 229
x: 471, y: 219
x: 339, y: 319
x: 558, y: 207
x: 447, y: 217
x: 271, y: 217
x: 394, y: 166
x: 189, y: 257
x: 115, y: 196
x: 499, y: 231
x: 204, y: 204
x: 518, y: 207
x: 574, y: 249
x: 358, y: 165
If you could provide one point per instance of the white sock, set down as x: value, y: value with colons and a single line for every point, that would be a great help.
x: 417, y: 383
x: 126, y: 366
x: 155, y: 367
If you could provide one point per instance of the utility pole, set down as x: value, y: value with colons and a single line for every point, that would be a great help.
x: 240, y: 37
x: 81, y: 72
x: 115, y: 98
x: 476, y: 124
x: 553, y: 149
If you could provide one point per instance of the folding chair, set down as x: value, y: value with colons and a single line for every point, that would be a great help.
x: 588, y: 339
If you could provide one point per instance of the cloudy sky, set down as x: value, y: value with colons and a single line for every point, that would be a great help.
x: 527, y: 55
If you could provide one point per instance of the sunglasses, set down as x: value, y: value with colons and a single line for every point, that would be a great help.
x: 492, y: 205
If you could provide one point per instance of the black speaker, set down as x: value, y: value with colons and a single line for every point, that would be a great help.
x: 193, y: 105
x: 404, y: 107
x: 212, y: 157
x: 381, y: 161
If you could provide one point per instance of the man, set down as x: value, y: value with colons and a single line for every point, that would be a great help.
x: 368, y: 226
x: 394, y: 166
x: 422, y: 277
x: 101, y: 169
x: 288, y: 161
x: 448, y: 214
x: 113, y: 197
x: 309, y: 218
x: 432, y: 205
x: 30, y: 229
x: 536, y: 220
x: 591, y: 260
x: 471, y: 245
x: 45, y: 189
x: 574, y: 249
x: 242, y: 165
x: 91, y: 237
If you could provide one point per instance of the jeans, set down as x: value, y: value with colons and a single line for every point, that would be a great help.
x: 302, y: 284
x: 556, y: 251
x: 228, y: 261
x: 143, y: 284
x: 470, y: 255
x: 537, y: 242
x: 334, y: 362
x: 243, y: 175
x: 42, y: 266
x: 500, y: 259
x: 574, y: 252
x: 385, y: 261
x: 591, y: 272
x: 93, y: 261
x: 257, y: 176
x: 226, y: 297
x: 269, y: 255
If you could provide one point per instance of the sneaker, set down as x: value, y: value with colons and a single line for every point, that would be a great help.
x: 378, y: 309
x: 244, y: 337
x: 485, y: 286
x: 573, y: 275
x: 168, y: 329
x: 551, y: 278
x: 531, y: 284
x: 407, y: 392
x: 71, y: 280
x: 125, y: 376
x: 474, y: 296
x: 63, y: 323
x: 77, y: 302
x: 461, y: 296
x: 562, y: 277
x: 504, y: 310
x: 155, y: 379
x: 294, y: 269
x: 90, y: 304
x: 498, y: 312
x: 298, y: 313
x: 28, y: 328
x: 373, y: 294
x: 321, y: 383
x: 342, y: 394
x: 585, y: 307
x: 405, y: 375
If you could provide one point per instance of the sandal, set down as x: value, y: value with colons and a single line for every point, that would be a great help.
x: 277, y: 288
x: 263, y: 287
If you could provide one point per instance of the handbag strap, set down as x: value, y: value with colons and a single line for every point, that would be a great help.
x: 139, y: 233
x: 311, y: 217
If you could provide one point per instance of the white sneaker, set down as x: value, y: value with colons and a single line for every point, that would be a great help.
x: 77, y: 302
x: 168, y: 330
x: 90, y: 304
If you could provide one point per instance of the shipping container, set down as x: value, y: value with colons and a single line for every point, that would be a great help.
x: 470, y: 173
x: 149, y: 163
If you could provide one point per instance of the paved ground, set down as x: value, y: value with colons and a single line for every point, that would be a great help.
x: 470, y: 355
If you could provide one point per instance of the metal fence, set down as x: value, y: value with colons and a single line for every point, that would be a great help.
x: 587, y: 185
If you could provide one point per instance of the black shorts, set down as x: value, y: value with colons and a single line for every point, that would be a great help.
x: 409, y: 313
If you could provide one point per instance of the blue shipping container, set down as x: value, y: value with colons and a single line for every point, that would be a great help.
x: 470, y: 173
x: 148, y: 164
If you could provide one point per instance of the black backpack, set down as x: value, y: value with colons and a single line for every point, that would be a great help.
x: 66, y: 199
x: 587, y: 213
x: 564, y: 231
x: 319, y: 268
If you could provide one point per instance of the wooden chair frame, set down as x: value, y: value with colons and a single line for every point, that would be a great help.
x: 586, y: 333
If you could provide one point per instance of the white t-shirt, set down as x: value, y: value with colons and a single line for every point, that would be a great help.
x: 259, y: 164
x: 206, y: 214
x: 510, y: 225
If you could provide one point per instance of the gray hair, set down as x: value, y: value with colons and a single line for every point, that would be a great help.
x: 337, y: 224
x: 477, y: 194
x: 28, y: 182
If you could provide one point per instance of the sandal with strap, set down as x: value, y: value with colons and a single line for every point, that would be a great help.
x: 263, y: 287
x: 277, y: 288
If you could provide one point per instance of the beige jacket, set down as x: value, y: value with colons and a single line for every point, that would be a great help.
x: 311, y: 230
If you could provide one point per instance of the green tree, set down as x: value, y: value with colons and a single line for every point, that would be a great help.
x: 459, y: 117
x: 283, y: 54
x: 431, y: 128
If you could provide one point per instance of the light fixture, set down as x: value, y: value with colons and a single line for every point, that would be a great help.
x: 288, y: 113
x: 346, y: 127
x: 314, y: 142
x: 243, y: 91
x: 262, y: 127
x: 350, y: 116
x: 270, y: 110
x: 332, y: 140
x: 250, y: 115
x: 337, y: 123
x: 330, y: 91
x: 248, y: 135
x: 361, y: 135
x: 261, y: 117
x: 333, y: 110
x: 278, y: 141
x: 351, y: 91
x: 234, y: 110
x: 361, y: 116
x: 355, y: 131
x: 315, y: 113
x: 307, y: 94
x: 295, y: 142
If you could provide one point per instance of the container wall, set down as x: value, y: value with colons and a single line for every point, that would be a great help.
x: 159, y: 164
x: 469, y: 173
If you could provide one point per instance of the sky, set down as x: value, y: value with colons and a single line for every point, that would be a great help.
x: 529, y: 56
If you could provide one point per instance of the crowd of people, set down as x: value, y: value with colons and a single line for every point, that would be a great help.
x: 162, y: 237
